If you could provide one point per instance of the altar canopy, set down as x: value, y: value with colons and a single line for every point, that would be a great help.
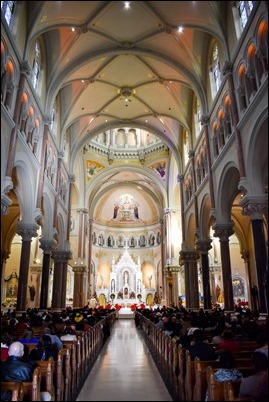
x: 126, y: 279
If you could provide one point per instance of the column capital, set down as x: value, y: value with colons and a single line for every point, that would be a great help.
x: 227, y: 68
x: 25, y: 67
x: 27, y: 230
x: 203, y: 246
x: 61, y: 255
x: 47, y: 245
x: 188, y: 256
x: 5, y: 255
x: 191, y: 154
x: 79, y: 269
x: 5, y: 204
x: 223, y: 231
x: 180, y: 178
x: 205, y: 119
x: 254, y: 206
x: 47, y: 120
x: 72, y: 178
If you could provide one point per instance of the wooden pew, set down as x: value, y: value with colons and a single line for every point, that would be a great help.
x: 31, y: 389
x: 230, y: 390
x: 73, y: 359
x: 58, y: 376
x: 16, y: 387
x: 47, y: 370
x: 189, y: 377
x: 215, y: 389
x: 181, y: 372
x: 200, y: 367
x: 67, y: 372
x: 200, y: 382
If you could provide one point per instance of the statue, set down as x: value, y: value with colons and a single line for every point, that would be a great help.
x: 150, y: 278
x: 32, y: 292
x: 126, y: 277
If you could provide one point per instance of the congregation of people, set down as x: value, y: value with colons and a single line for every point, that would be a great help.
x: 38, y: 336
x: 208, y: 335
x: 219, y: 337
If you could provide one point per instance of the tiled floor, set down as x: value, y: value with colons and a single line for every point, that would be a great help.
x: 125, y: 370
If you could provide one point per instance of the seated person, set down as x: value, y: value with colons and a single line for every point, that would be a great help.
x: 44, y: 350
x: 6, y: 340
x: 69, y: 334
x: 28, y: 336
x: 229, y: 343
x: 227, y: 372
x: 16, y: 369
x: 55, y: 340
x: 256, y: 385
x: 200, y: 348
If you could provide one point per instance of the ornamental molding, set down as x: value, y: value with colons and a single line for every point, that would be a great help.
x: 79, y: 270
x: 62, y: 256
x: 223, y: 231
x: 47, y: 245
x: 203, y: 246
x: 254, y: 206
x: 27, y: 230
x: 188, y: 256
x: 5, y: 204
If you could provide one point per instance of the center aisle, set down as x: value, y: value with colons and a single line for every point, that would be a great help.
x: 124, y: 370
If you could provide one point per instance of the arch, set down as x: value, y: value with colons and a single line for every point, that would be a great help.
x: 226, y: 192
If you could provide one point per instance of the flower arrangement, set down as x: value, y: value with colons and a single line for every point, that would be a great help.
x: 120, y: 295
x: 9, y: 303
x: 132, y: 295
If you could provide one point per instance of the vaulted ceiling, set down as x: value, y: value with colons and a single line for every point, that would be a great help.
x: 139, y: 67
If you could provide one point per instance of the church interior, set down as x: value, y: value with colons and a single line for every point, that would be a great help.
x: 134, y: 154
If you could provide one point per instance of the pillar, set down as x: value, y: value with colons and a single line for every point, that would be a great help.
x: 4, y: 256
x: 59, y: 280
x: 47, y: 246
x: 79, y: 297
x: 90, y: 278
x: 256, y: 207
x: 224, y: 231
x: 189, y: 259
x: 26, y: 231
x: 203, y: 246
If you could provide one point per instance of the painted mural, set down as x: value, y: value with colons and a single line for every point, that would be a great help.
x: 160, y: 168
x: 92, y: 168
x: 126, y: 209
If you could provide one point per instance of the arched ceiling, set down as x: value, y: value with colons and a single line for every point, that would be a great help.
x: 114, y: 67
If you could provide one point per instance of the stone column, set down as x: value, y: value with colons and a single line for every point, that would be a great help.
x: 78, y: 286
x: 59, y: 280
x: 163, y: 282
x: 228, y: 70
x: 205, y: 121
x: 47, y: 246
x: 256, y: 207
x: 224, y: 231
x: 203, y: 246
x: 192, y: 162
x: 26, y: 231
x: 25, y: 70
x: 90, y: 278
x: 4, y: 256
x: 42, y: 163
x: 189, y: 259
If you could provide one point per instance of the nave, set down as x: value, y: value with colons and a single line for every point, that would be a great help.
x: 124, y: 370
